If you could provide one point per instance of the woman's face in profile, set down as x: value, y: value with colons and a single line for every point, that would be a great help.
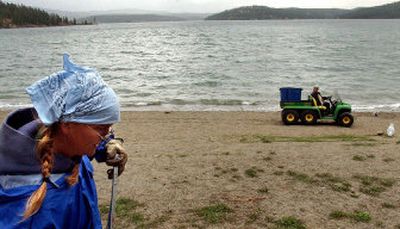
x: 77, y: 139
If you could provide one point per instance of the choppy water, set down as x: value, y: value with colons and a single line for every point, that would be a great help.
x: 214, y: 65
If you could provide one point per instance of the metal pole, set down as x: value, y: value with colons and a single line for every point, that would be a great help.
x: 111, y: 212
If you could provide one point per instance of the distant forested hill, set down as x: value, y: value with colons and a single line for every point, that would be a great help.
x: 12, y: 15
x: 119, y: 18
x: 391, y: 10
x: 264, y: 13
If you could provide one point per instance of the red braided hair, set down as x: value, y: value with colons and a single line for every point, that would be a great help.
x: 45, y: 152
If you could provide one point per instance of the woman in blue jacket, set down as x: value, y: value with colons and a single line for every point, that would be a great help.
x: 46, y: 178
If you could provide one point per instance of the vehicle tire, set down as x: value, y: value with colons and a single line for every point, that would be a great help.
x: 345, y: 119
x: 290, y: 117
x: 309, y: 117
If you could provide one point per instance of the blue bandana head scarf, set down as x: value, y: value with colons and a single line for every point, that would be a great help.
x: 76, y: 94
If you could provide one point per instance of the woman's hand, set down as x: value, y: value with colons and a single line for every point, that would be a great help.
x: 116, y: 156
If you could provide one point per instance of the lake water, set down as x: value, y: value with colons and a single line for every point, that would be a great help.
x: 214, y: 65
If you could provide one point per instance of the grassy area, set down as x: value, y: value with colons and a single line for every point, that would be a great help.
x: 290, y: 222
x: 369, y: 185
x: 373, y: 186
x: 326, y: 138
x: 323, y: 179
x: 369, y: 180
x: 125, y: 209
x: 214, y: 213
x: 253, y: 172
x: 127, y: 214
x: 359, y: 158
x: 302, y: 177
x: 334, y: 182
x: 358, y: 216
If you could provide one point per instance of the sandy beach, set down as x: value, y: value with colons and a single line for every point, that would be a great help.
x: 248, y: 170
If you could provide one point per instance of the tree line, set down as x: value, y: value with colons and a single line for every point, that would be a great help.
x: 391, y: 10
x: 13, y: 15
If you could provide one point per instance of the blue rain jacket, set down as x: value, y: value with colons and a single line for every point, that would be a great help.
x: 64, y: 206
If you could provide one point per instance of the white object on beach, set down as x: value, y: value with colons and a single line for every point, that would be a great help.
x: 390, y: 130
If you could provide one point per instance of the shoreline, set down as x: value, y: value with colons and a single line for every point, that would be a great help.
x: 208, y: 109
x: 125, y: 110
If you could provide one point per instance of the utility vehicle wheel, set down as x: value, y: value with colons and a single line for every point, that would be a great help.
x: 290, y: 117
x: 345, y: 119
x: 309, y: 117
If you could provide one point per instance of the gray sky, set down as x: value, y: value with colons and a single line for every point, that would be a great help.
x: 195, y: 6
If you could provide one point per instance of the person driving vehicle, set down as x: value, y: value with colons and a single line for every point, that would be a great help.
x: 320, y: 100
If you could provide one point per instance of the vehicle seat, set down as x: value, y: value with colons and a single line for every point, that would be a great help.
x: 315, y: 104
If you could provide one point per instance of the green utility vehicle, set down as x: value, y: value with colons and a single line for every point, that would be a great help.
x: 295, y: 110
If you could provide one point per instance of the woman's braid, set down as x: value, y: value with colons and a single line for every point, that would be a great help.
x: 45, y: 153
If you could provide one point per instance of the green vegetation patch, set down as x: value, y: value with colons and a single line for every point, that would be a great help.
x: 127, y: 214
x: 373, y: 186
x: 290, y: 222
x: 215, y: 213
x: 359, y: 158
x: 302, y: 177
x: 253, y: 172
x: 372, y: 190
x: 334, y: 182
x: 103, y: 208
x: 369, y: 180
x: 358, y: 216
x: 125, y: 209
x: 338, y: 215
x: 326, y: 138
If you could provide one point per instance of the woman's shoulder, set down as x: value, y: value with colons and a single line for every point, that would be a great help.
x: 16, y: 149
x: 17, y: 145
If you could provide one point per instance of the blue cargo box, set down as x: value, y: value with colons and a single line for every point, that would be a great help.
x: 290, y: 94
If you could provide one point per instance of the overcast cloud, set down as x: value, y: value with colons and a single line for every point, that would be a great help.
x: 193, y: 6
